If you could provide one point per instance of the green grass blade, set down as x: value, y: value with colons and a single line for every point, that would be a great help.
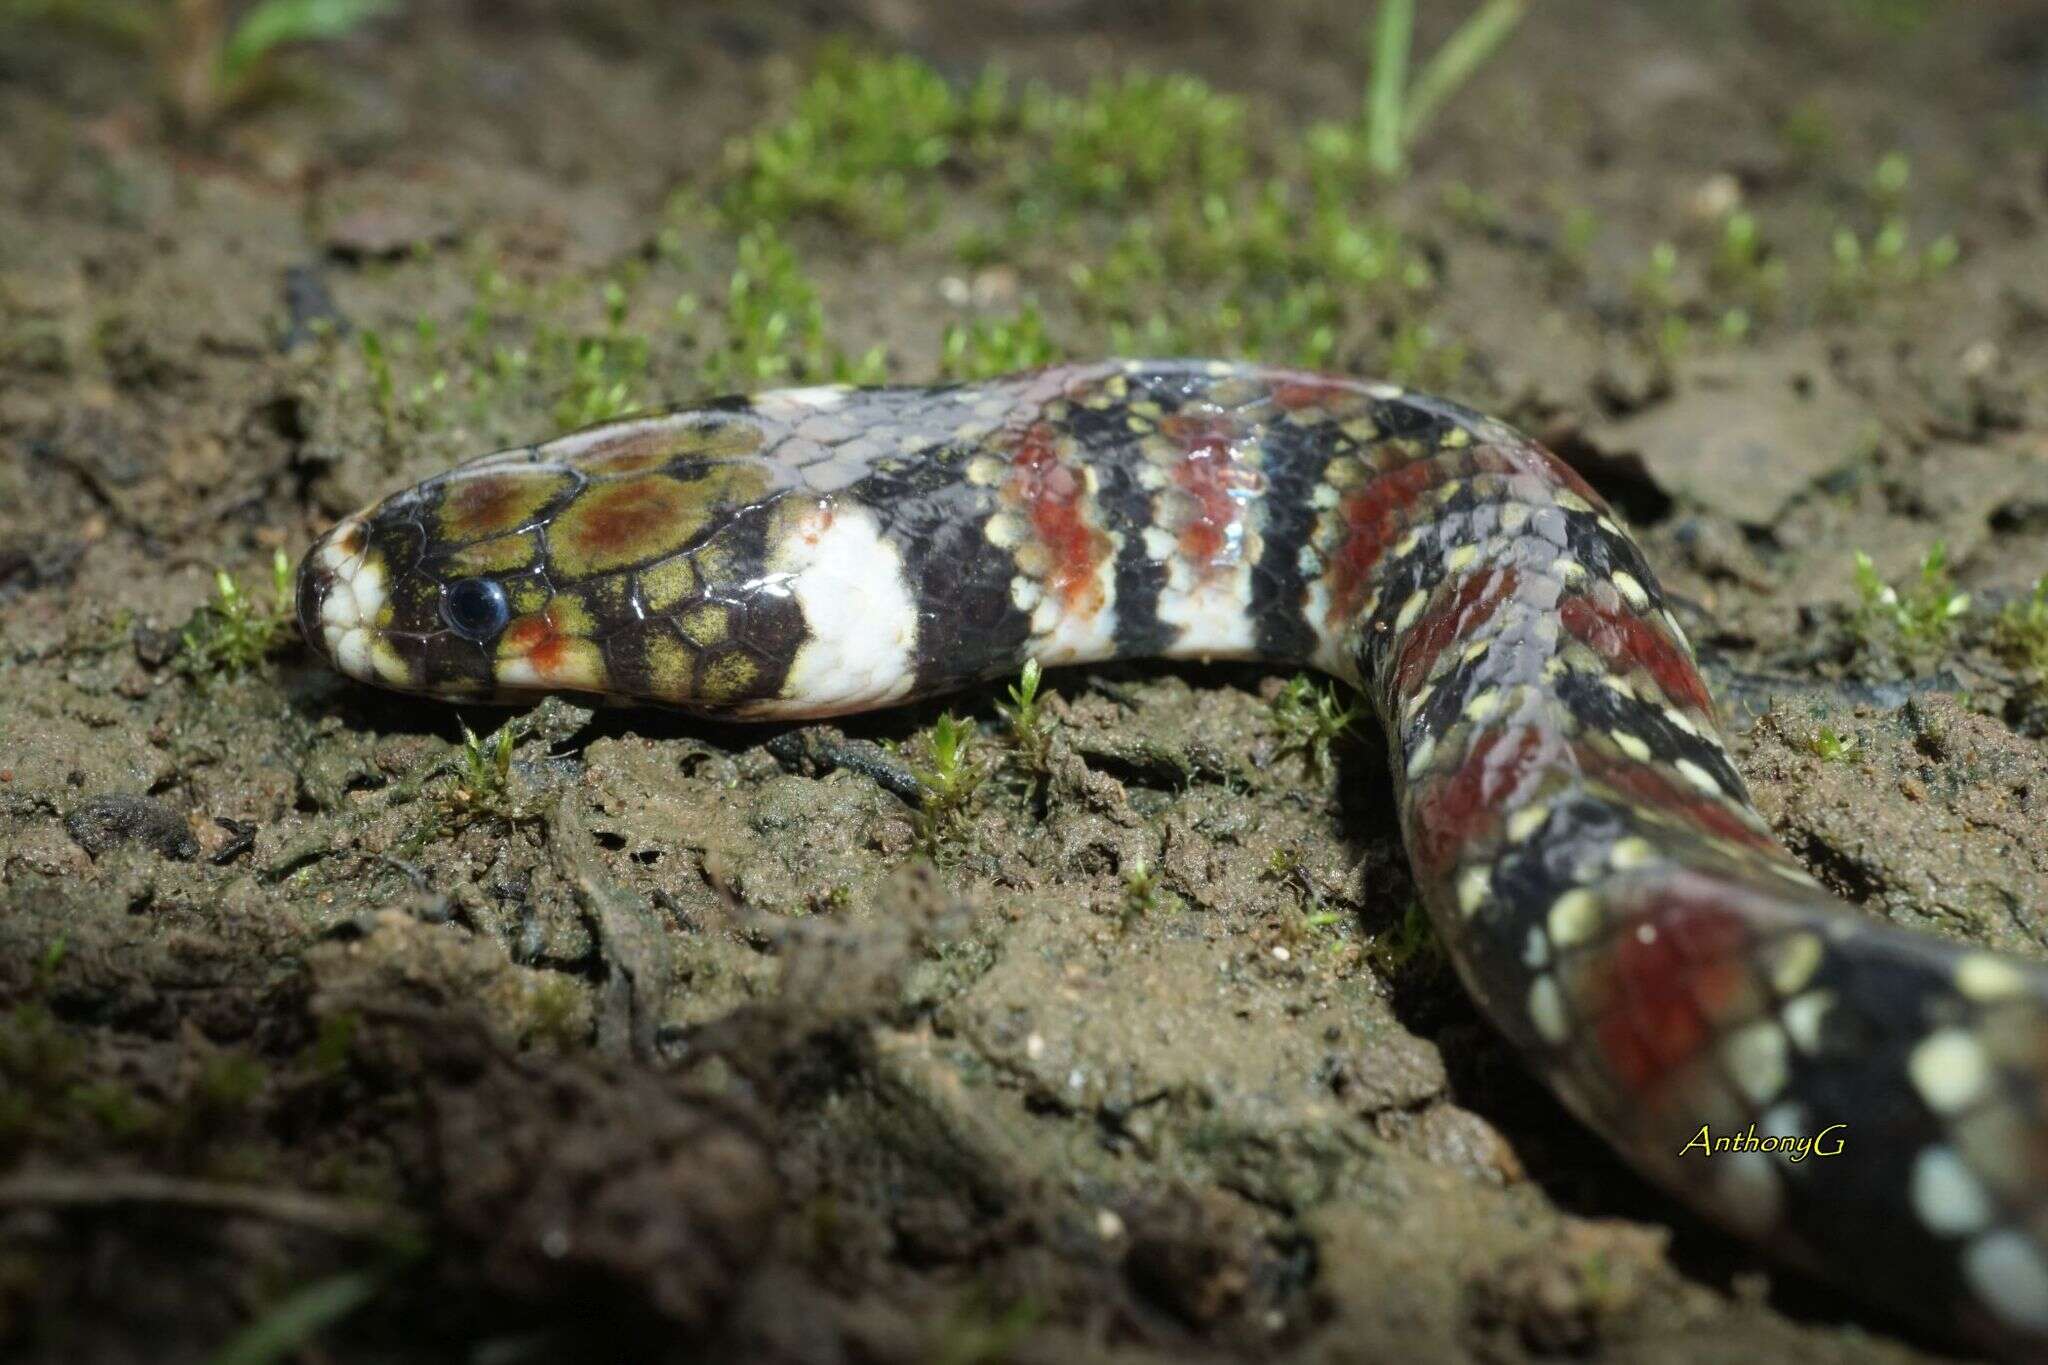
x: 273, y: 22
x: 300, y: 1317
x: 1393, y: 31
x: 1464, y: 52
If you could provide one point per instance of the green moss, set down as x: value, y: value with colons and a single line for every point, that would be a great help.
x: 1900, y: 17
x: 555, y: 1014
x: 1831, y: 746
x: 1310, y: 720
x: 483, y: 787
x: 1747, y: 276
x: 1660, y: 303
x: 1419, y: 357
x: 1030, y: 728
x: 2022, y: 632
x: 235, y: 632
x: 1143, y: 896
x: 987, y: 347
x: 948, y: 783
x: 229, y: 1082
x: 1129, y: 140
x: 1809, y: 132
x: 604, y: 370
x: 775, y: 325
x: 1914, y: 621
x: 333, y: 1045
x: 38, y: 1055
x: 114, y: 1109
x: 1409, y: 945
x: 865, y: 136
x: 1267, y: 272
x: 983, y: 1329
x: 1868, y: 266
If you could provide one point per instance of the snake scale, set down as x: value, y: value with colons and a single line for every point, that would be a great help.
x: 1586, y: 849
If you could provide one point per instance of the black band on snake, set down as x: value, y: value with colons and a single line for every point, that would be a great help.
x: 1587, y: 851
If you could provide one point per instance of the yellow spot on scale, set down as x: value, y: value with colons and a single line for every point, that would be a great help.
x: 1677, y: 632
x: 1947, y: 1194
x: 665, y: 584
x: 1630, y: 590
x: 1474, y: 884
x: 669, y: 666
x: 704, y: 625
x: 1632, y: 745
x: 1983, y: 977
x: 1574, y: 917
x: 1527, y: 821
x: 1631, y: 853
x: 1791, y: 962
x: 501, y: 554
x: 1546, y: 1010
x: 1004, y: 531
x: 389, y: 663
x: 1949, y: 1069
x: 1411, y: 610
x: 1344, y: 473
x: 726, y: 677
x: 1755, y: 1058
x: 1698, y: 776
x: 2008, y: 1273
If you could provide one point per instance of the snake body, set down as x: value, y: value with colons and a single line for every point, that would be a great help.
x: 1585, y: 847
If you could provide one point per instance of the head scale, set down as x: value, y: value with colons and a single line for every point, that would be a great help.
x: 632, y: 559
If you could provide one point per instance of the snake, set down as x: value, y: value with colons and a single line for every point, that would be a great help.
x: 1860, y: 1101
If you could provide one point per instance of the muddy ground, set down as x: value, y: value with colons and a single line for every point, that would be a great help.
x: 684, y: 1040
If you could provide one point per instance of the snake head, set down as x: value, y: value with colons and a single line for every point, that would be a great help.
x: 632, y: 560
x: 384, y: 600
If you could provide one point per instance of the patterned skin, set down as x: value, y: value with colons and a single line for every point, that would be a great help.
x: 1586, y: 849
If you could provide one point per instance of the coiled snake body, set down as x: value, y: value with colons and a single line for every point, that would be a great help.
x: 1586, y: 849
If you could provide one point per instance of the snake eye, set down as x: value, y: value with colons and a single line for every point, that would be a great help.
x: 475, y: 608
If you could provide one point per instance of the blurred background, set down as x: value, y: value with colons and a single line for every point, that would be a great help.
x: 313, y: 1047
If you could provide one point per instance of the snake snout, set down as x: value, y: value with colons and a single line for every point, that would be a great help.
x: 315, y: 582
x: 339, y: 592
